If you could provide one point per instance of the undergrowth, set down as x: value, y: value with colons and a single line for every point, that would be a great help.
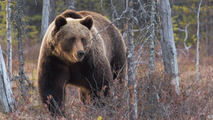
x: 157, y: 98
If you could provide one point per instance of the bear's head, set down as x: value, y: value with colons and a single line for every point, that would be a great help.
x: 72, y: 38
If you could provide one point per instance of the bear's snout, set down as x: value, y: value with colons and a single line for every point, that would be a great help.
x: 80, y: 54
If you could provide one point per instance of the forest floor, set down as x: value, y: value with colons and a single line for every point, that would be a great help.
x: 194, y: 102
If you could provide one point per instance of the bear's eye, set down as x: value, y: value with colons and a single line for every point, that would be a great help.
x: 82, y: 39
x: 72, y: 39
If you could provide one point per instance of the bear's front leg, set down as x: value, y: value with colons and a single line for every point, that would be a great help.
x: 52, y: 78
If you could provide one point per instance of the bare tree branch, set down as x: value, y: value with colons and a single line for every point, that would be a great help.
x: 184, y: 42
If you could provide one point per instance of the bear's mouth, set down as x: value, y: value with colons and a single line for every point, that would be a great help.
x: 76, y: 59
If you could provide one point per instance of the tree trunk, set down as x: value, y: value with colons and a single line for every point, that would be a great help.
x: 9, y: 41
x: 208, y: 43
x: 169, y: 52
x: 7, y: 101
x: 20, y: 26
x: 45, y: 17
x: 152, y: 94
x: 152, y: 38
x: 210, y: 27
x: 131, y: 61
x: 198, y: 42
x: 70, y: 4
x: 21, y: 66
x: 52, y: 11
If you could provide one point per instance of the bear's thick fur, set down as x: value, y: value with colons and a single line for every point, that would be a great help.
x: 72, y: 53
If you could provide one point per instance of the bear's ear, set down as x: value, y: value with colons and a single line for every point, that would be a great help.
x: 87, y: 21
x: 59, y: 22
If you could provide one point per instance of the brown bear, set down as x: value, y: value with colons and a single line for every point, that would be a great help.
x: 77, y: 50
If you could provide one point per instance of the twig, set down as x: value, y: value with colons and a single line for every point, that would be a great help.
x: 28, y: 81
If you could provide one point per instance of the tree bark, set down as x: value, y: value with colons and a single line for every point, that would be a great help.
x: 70, y: 4
x: 52, y: 11
x: 45, y: 17
x: 152, y: 38
x: 208, y: 43
x: 169, y: 52
x: 198, y: 42
x: 9, y: 41
x: 7, y: 101
x: 131, y: 61
x: 21, y: 66
x: 19, y: 26
x: 153, y: 96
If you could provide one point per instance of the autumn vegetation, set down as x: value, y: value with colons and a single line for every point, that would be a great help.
x: 189, y: 104
x: 157, y: 98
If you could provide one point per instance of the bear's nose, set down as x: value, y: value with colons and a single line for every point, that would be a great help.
x: 80, y: 54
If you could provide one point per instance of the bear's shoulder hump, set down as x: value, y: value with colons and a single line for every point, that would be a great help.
x: 71, y: 14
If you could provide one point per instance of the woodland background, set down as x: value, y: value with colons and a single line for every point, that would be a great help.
x: 190, y: 104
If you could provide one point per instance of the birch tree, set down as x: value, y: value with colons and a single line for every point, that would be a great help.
x: 169, y: 52
x: 70, y: 4
x: 45, y: 17
x: 198, y: 42
x: 7, y: 101
x: 9, y: 40
x: 131, y: 61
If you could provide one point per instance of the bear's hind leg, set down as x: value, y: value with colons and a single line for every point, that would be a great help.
x: 119, y: 64
x: 99, y: 78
